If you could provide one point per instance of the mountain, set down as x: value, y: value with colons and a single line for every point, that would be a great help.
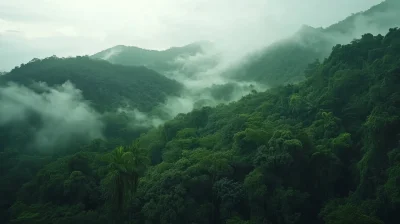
x: 160, y: 61
x: 377, y: 19
x: 325, y: 150
x: 284, y: 61
x: 106, y: 85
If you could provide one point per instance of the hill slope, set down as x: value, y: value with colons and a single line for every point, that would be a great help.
x: 284, y: 61
x: 38, y: 121
x: 106, y: 85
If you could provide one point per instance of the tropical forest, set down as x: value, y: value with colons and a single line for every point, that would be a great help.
x: 304, y: 129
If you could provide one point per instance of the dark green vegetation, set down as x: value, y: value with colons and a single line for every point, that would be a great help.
x: 160, y: 61
x: 285, y: 61
x: 106, y: 85
x: 323, y: 151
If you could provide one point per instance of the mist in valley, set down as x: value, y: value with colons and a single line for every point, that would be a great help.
x: 235, y: 31
x: 196, y: 111
x: 56, y: 116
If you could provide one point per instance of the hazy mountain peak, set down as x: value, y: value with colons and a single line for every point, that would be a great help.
x: 201, y: 43
x: 308, y: 30
x: 159, y: 60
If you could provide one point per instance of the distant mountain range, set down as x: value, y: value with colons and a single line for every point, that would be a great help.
x: 160, y: 61
x: 279, y: 63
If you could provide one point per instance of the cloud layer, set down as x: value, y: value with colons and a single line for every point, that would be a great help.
x: 61, y: 115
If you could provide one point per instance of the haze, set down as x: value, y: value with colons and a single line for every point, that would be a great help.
x: 43, y: 28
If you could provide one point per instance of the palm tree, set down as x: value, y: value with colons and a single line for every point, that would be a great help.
x: 138, y: 160
x: 126, y: 165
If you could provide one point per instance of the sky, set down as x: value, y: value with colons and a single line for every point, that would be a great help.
x: 41, y: 28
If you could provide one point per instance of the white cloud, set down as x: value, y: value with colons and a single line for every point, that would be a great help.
x: 61, y: 110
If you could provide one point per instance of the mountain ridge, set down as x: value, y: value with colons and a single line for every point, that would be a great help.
x: 283, y: 62
x: 158, y: 60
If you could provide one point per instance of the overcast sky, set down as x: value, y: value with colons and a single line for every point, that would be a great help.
x: 39, y: 28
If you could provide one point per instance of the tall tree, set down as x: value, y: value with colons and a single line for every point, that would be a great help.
x: 126, y: 165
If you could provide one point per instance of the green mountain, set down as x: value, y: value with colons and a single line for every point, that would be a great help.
x: 161, y: 61
x: 325, y: 150
x: 107, y: 86
x: 284, y: 62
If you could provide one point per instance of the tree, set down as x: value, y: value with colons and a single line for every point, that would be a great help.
x: 126, y: 165
x: 228, y: 195
x: 350, y: 214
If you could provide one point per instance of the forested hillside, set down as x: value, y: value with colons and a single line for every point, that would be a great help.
x: 161, y: 61
x: 283, y: 62
x: 325, y: 150
x: 106, y: 85
x: 53, y: 107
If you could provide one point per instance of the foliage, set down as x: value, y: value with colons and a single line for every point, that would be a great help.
x: 126, y: 165
x: 326, y: 150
